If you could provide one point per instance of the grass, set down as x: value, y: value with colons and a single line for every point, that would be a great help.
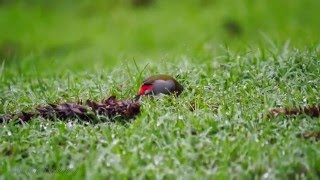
x: 69, y: 51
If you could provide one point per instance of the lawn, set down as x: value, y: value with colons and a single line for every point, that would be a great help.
x: 235, y: 59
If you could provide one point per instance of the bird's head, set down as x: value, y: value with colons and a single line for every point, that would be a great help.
x: 145, y: 89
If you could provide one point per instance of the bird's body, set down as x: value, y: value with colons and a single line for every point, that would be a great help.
x: 160, y: 84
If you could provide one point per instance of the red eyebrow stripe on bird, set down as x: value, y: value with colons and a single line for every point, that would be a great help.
x: 144, y: 88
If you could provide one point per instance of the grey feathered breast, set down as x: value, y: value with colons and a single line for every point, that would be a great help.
x: 163, y: 86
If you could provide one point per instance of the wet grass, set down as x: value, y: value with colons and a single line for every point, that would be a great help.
x: 235, y: 59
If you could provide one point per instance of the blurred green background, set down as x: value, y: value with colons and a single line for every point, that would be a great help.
x: 83, y: 35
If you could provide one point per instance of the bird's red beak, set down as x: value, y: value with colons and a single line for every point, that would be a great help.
x: 145, y: 88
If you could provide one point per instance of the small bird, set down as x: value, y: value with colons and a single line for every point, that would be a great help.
x: 160, y: 84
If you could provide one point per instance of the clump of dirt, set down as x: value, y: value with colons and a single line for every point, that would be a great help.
x: 312, y: 111
x: 312, y: 135
x: 90, y: 111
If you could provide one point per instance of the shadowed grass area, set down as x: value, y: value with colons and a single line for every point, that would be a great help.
x: 236, y: 59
